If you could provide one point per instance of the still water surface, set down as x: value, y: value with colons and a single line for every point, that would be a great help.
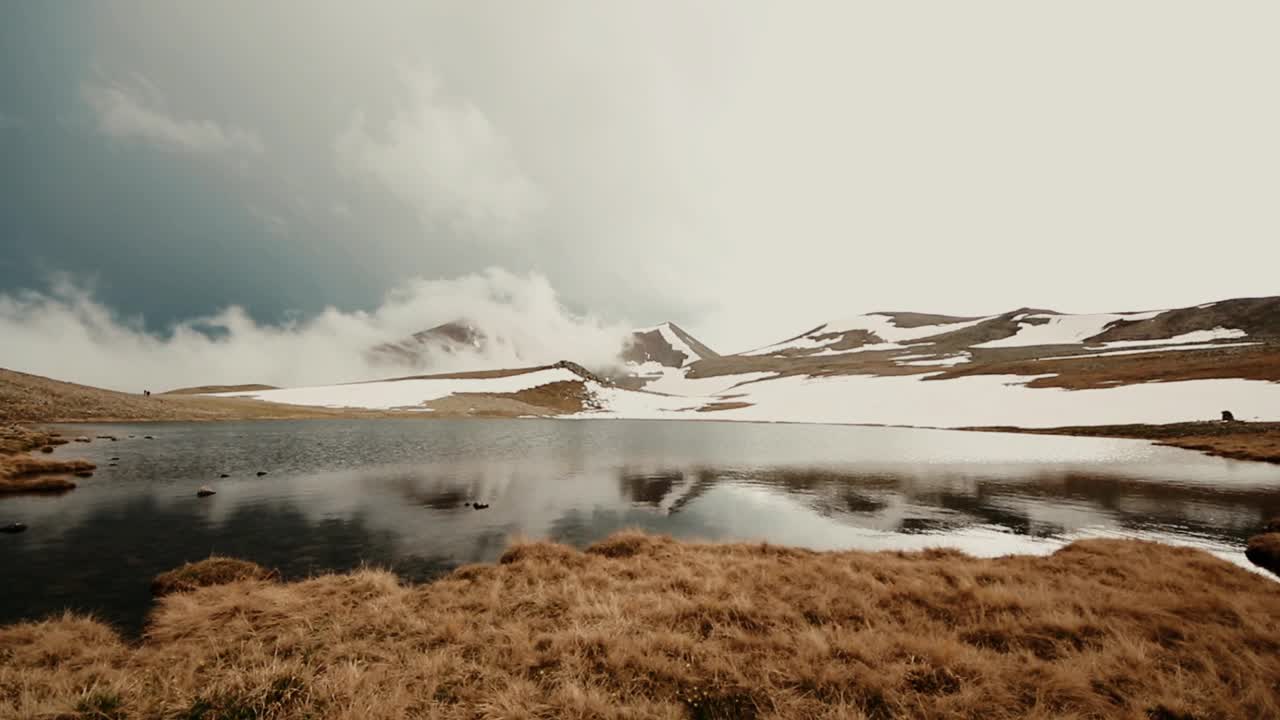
x: 395, y: 493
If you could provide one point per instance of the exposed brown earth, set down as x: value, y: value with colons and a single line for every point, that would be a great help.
x: 651, y: 346
x: 1259, y: 317
x: 1258, y: 362
x: 558, y: 398
x: 725, y: 405
x: 206, y: 389
x: 646, y: 627
x: 1238, y: 440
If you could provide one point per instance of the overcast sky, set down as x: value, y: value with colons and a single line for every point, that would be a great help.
x: 745, y: 169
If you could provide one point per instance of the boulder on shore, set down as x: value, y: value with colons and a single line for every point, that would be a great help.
x: 1264, y: 551
x: 205, y: 491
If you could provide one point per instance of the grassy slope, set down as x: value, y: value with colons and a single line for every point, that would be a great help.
x: 1238, y: 440
x: 644, y: 627
x: 32, y: 398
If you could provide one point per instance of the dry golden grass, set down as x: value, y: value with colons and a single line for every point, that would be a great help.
x: 20, y: 473
x: 35, y: 399
x: 1237, y: 440
x: 645, y: 627
x: 36, y: 484
x: 215, y: 570
x: 557, y: 398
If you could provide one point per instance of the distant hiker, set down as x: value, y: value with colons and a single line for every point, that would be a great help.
x: 1227, y: 416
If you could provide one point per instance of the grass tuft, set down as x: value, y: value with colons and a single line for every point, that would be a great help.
x: 214, y: 570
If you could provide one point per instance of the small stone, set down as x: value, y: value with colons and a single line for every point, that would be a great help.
x: 46, y: 449
x: 13, y: 528
x: 205, y: 491
x: 261, y: 473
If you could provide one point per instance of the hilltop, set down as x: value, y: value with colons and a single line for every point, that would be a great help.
x: 1026, y: 368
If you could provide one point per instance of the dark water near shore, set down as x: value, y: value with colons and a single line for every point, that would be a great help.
x: 394, y: 493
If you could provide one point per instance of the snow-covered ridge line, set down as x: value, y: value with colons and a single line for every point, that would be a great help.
x: 670, y: 337
x: 882, y: 326
x: 979, y: 400
x: 410, y: 393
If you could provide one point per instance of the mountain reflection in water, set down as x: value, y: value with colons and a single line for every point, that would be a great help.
x: 397, y: 494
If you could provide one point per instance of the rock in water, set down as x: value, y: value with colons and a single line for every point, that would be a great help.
x: 1264, y: 551
x: 205, y: 491
x: 13, y: 528
x: 46, y: 449
x: 261, y: 473
x: 223, y: 475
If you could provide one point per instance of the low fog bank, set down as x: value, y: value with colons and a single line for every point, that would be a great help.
x: 66, y: 334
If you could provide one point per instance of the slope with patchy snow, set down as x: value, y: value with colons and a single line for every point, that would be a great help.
x: 912, y: 369
x: 408, y: 393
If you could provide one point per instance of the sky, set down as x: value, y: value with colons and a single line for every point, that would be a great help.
x: 746, y: 169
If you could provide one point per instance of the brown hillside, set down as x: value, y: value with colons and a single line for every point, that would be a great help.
x: 1259, y: 317
x: 32, y: 398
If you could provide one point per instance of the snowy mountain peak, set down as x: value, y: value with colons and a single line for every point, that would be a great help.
x: 667, y: 344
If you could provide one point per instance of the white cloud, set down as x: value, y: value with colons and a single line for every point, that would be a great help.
x: 444, y: 157
x: 123, y: 115
x: 66, y: 334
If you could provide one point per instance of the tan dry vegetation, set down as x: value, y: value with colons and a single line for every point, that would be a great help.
x: 646, y: 627
x: 557, y: 398
x: 35, y: 399
x: 22, y: 473
x: 215, y: 570
x: 1238, y: 440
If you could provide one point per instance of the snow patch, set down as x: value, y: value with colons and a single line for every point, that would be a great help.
x: 882, y: 326
x: 1056, y: 330
x: 959, y: 402
x: 1197, y: 336
x: 946, y: 361
x: 1158, y: 348
x: 389, y: 394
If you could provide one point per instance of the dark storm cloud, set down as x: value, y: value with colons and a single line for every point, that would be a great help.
x: 749, y: 169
